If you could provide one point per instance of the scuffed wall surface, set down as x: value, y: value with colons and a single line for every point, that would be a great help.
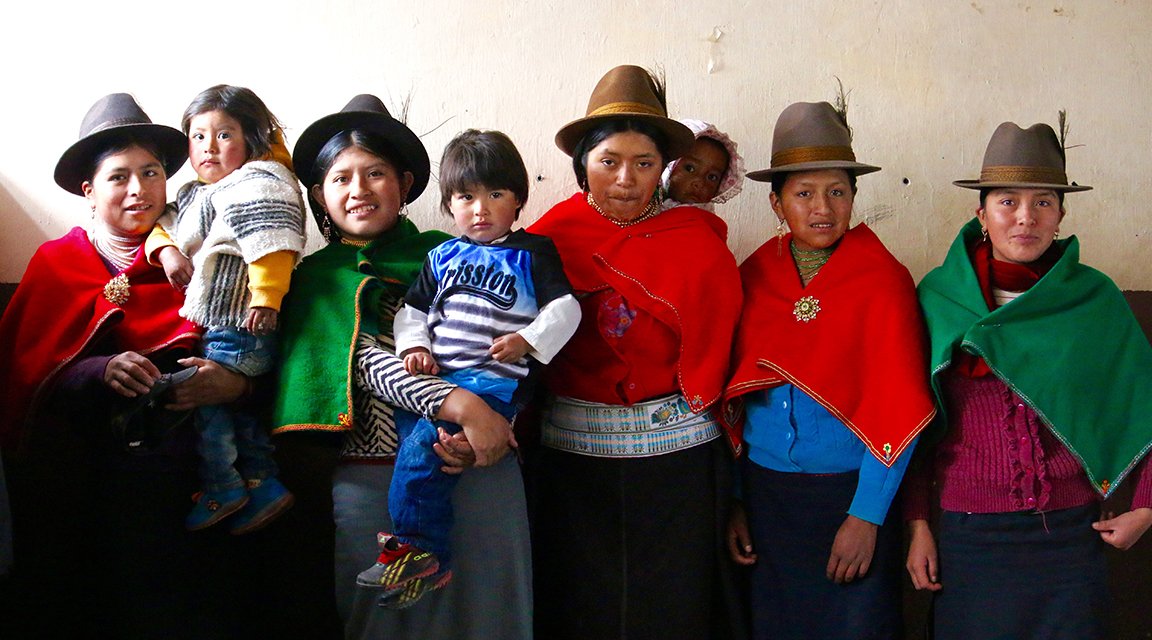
x: 929, y: 82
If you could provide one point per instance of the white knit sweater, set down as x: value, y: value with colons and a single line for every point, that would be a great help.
x: 254, y: 211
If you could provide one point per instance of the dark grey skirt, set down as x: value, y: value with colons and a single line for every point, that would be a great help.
x: 1021, y: 575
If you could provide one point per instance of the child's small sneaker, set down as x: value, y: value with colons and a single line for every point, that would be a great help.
x: 398, y: 564
x: 213, y: 506
x: 411, y: 593
x: 269, y: 500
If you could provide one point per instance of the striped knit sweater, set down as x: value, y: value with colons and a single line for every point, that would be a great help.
x: 254, y: 211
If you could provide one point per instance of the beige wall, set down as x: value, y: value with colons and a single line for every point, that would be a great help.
x: 930, y: 80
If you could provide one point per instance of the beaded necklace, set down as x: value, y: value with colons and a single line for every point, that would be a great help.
x: 652, y: 209
x: 808, y: 263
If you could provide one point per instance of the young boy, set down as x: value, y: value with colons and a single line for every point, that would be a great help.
x: 487, y: 311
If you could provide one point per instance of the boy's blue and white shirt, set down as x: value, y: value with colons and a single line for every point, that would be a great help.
x: 473, y: 293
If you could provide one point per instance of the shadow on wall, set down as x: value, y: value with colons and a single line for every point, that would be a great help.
x: 20, y: 235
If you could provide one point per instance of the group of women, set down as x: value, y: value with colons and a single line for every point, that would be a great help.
x: 809, y: 366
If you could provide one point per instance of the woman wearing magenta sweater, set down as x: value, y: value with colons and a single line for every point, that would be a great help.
x: 1044, y: 380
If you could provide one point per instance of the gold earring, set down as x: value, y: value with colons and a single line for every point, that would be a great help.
x: 779, y: 237
x: 1056, y: 236
x: 984, y: 232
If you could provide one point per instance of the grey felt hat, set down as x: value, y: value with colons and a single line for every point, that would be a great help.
x: 115, y: 115
x: 1031, y: 158
x: 811, y: 136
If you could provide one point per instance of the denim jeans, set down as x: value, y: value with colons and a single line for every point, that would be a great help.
x: 233, y: 446
x: 420, y: 496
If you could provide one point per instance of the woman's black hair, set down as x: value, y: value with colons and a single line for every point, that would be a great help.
x: 368, y: 141
x: 245, y: 107
x: 609, y: 128
x: 119, y: 143
x: 984, y: 191
x: 779, y: 179
x: 486, y: 159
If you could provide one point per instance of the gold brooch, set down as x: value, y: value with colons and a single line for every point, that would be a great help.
x: 117, y: 290
x: 806, y: 308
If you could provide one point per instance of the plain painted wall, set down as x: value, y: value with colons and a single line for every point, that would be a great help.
x: 929, y: 82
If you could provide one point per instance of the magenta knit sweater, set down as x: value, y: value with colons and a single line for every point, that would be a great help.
x: 999, y: 457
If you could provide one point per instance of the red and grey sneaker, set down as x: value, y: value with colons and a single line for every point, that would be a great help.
x: 415, y: 589
x: 399, y: 563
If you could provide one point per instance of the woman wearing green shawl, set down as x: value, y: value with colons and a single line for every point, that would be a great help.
x: 340, y: 379
x: 1044, y: 380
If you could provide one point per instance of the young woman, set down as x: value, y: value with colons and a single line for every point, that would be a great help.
x: 1044, y: 383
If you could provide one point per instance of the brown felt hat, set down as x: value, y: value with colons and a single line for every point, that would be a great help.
x: 627, y: 92
x: 114, y: 115
x: 1031, y: 158
x: 811, y: 136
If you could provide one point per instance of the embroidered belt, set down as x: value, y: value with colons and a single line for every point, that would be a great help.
x: 650, y: 428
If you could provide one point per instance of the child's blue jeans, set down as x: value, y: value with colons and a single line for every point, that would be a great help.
x: 420, y: 496
x: 233, y: 446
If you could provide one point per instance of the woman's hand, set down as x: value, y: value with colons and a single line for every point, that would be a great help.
x: 261, y: 321
x: 739, y: 541
x: 455, y: 451
x: 212, y: 384
x: 177, y: 267
x: 852, y: 550
x: 130, y: 374
x: 1125, y: 529
x: 488, y: 433
x: 921, y: 562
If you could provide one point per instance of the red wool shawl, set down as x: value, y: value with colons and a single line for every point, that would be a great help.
x: 675, y: 267
x: 60, y: 310
x: 861, y: 354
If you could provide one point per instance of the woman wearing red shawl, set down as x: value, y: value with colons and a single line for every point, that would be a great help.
x: 627, y: 537
x: 831, y: 392
x: 1044, y: 382
x: 99, y: 472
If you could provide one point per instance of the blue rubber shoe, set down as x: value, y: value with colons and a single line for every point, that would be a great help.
x: 212, y: 507
x: 269, y: 500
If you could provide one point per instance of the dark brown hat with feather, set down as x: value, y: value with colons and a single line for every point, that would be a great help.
x: 628, y: 92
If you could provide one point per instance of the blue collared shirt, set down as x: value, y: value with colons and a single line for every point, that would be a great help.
x: 788, y: 431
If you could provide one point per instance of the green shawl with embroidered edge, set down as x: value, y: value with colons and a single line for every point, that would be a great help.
x: 333, y: 292
x: 1069, y: 347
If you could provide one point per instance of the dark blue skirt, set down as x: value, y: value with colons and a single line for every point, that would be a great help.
x: 794, y: 519
x: 1021, y: 575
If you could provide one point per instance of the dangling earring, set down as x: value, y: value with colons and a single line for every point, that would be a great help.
x: 779, y: 238
x: 403, y: 215
x: 326, y: 229
x: 984, y: 232
x: 1056, y: 236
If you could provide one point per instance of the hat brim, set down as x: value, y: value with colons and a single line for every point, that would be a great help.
x: 1062, y: 188
x: 680, y: 137
x: 76, y: 161
x: 855, y: 168
x: 403, y: 140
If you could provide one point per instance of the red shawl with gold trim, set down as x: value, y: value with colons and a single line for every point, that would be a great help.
x: 675, y: 266
x: 852, y: 339
x: 61, y: 309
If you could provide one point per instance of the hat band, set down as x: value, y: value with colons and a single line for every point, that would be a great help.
x: 1040, y: 175
x: 116, y: 122
x: 626, y: 107
x: 812, y: 154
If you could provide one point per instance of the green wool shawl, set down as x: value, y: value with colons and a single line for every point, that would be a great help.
x: 1069, y: 347
x: 334, y: 291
